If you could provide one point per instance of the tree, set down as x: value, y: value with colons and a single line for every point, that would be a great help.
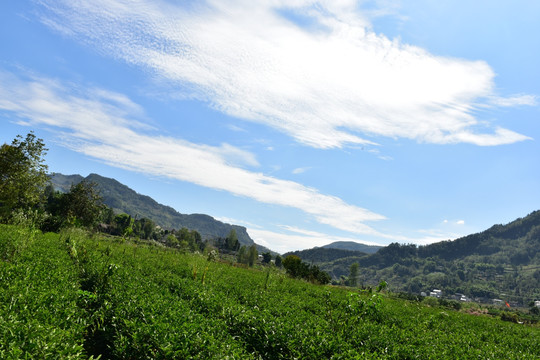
x: 23, y: 174
x: 353, y: 275
x: 173, y: 241
x: 83, y: 204
x: 317, y: 276
x: 278, y: 261
x: 192, y: 237
x: 267, y: 257
x: 54, y: 221
x: 232, y: 243
x: 253, y: 254
x: 124, y: 224
x: 241, y: 257
x: 294, y: 266
x: 197, y: 239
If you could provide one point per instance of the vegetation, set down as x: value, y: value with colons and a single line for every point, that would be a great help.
x: 502, y: 262
x: 354, y: 246
x: 122, y: 199
x: 23, y: 175
x: 75, y: 295
x: 296, y: 268
x: 322, y: 254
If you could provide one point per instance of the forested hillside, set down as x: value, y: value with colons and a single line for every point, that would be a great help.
x: 122, y: 199
x: 324, y: 255
x: 355, y: 246
x: 501, y: 262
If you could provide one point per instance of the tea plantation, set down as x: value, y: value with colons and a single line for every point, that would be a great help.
x: 79, y: 296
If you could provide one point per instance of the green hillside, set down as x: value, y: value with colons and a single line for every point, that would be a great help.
x: 324, y: 255
x: 122, y: 199
x: 354, y: 246
x: 502, y: 262
x: 76, y: 296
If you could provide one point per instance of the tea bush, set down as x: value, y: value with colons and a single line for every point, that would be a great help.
x: 75, y: 296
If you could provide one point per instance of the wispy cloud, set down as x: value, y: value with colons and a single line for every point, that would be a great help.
x: 300, y: 170
x: 236, y: 128
x: 515, y: 100
x: 110, y: 127
x: 334, y: 84
x: 455, y: 222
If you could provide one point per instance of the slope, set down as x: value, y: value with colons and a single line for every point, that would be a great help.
x: 79, y: 296
x: 354, y: 246
x: 501, y: 262
x: 123, y: 199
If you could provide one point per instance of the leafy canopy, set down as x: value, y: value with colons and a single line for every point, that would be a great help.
x: 23, y: 174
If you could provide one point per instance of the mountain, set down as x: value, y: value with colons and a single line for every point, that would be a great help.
x: 335, y: 251
x: 122, y: 199
x: 325, y: 255
x: 354, y: 246
x: 501, y: 262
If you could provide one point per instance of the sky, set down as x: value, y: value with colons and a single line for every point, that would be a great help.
x: 305, y: 121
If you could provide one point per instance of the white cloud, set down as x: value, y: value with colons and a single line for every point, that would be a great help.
x: 300, y: 170
x: 101, y: 124
x: 454, y: 222
x: 236, y: 128
x: 516, y: 100
x: 329, y: 86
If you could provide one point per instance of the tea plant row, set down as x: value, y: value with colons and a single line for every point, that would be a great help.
x: 77, y: 296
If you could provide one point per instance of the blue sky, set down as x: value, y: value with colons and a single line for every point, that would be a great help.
x: 305, y: 121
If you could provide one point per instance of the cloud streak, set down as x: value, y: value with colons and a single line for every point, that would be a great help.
x: 104, y: 125
x: 330, y: 84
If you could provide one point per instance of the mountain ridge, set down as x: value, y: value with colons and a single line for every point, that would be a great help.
x: 500, y: 262
x: 354, y: 246
x: 123, y: 199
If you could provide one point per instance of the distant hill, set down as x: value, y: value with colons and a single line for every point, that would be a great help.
x: 501, y: 262
x: 354, y: 246
x: 122, y: 199
x: 324, y: 255
x: 339, y: 252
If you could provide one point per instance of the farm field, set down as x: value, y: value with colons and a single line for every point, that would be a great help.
x: 75, y: 295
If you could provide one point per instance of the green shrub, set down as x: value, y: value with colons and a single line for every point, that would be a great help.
x: 75, y: 296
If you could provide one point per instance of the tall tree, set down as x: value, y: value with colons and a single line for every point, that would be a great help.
x: 294, y: 266
x: 241, y: 257
x: 253, y: 254
x: 232, y: 241
x: 124, y: 224
x: 353, y: 275
x: 23, y: 174
x: 83, y: 204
